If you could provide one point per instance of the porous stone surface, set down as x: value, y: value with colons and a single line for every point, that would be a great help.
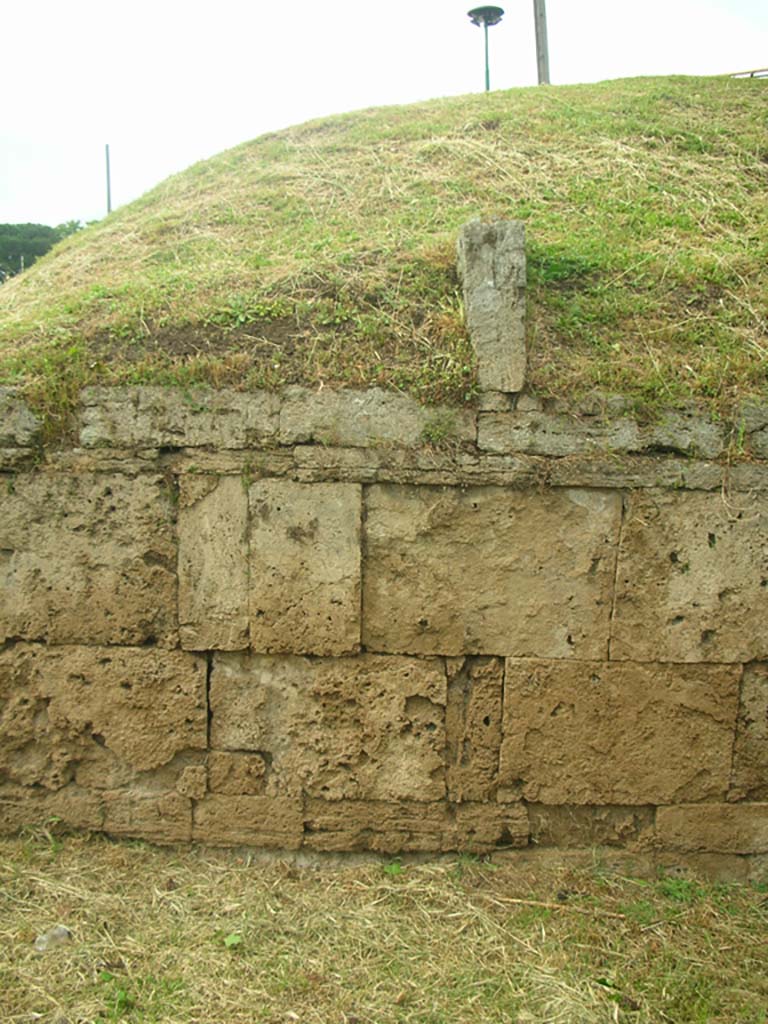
x: 65, y: 708
x: 213, y: 563
x: 22, y: 807
x: 600, y: 733
x: 368, y: 727
x: 492, y: 268
x: 161, y: 818
x: 714, y: 827
x: 750, y: 756
x: 87, y: 558
x: 567, y: 827
x: 544, y: 433
x: 489, y: 571
x: 473, y: 727
x: 409, y: 827
x: 372, y: 417
x: 173, y: 418
x: 18, y: 424
x: 304, y: 567
x: 692, y: 579
x: 237, y: 774
x: 268, y: 822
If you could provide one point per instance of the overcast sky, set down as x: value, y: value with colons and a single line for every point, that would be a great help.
x: 167, y: 83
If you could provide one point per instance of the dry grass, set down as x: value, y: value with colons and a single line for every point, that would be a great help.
x: 189, y: 936
x: 325, y: 253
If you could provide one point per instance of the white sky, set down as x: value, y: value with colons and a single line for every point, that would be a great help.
x: 167, y: 83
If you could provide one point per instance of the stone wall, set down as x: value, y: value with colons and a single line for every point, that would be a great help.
x: 337, y: 621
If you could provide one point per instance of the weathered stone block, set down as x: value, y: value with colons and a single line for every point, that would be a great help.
x: 597, y: 733
x: 567, y: 827
x: 251, y: 820
x: 237, y: 774
x: 692, y: 579
x: 750, y: 756
x: 714, y: 828
x: 544, y: 433
x: 172, y: 418
x: 369, y: 727
x: 161, y: 818
x: 87, y: 558
x: 481, y: 827
x: 491, y: 260
x: 473, y: 727
x: 305, y: 567
x: 359, y: 419
x: 23, y: 807
x: 63, y: 707
x: 213, y: 563
x: 18, y: 424
x: 489, y: 570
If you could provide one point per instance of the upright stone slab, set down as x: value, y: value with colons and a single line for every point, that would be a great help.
x: 489, y: 570
x: 492, y: 268
x: 213, y: 563
x: 692, y: 579
x: 88, y: 558
x: 368, y: 728
x: 305, y: 567
x: 598, y: 733
x: 750, y: 755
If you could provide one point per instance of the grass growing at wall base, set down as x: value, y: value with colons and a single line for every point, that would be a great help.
x: 325, y: 253
x: 189, y: 935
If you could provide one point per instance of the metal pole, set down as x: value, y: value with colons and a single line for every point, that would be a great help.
x: 487, y: 66
x: 542, y: 47
x: 109, y: 184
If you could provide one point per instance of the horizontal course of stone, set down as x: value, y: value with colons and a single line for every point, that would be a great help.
x: 336, y: 621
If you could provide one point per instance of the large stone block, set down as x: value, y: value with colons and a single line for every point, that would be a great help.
x: 597, y: 733
x: 23, y: 807
x: 473, y: 727
x: 305, y: 567
x: 587, y: 827
x: 87, y: 558
x: 174, y: 418
x: 369, y: 727
x: 213, y: 563
x: 714, y: 828
x: 750, y: 755
x: 489, y: 570
x: 359, y: 419
x: 692, y: 579
x: 491, y: 260
x: 161, y: 818
x: 63, y: 708
x: 272, y: 823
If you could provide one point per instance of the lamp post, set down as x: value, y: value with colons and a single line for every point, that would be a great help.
x: 486, y: 16
x: 542, y: 48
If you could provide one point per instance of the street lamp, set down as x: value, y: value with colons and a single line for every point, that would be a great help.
x: 486, y: 16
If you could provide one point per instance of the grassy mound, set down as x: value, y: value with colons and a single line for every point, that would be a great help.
x: 325, y: 253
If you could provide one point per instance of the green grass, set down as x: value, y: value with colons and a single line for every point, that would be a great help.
x: 186, y: 935
x: 325, y: 253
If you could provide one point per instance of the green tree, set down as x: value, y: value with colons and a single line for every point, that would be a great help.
x: 22, y: 244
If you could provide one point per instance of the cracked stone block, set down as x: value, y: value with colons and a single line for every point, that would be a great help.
x: 491, y: 263
x: 151, y: 416
x: 369, y: 727
x: 473, y: 727
x: 567, y: 827
x: 117, y: 710
x: 489, y: 570
x: 750, y: 757
x: 544, y: 433
x: 305, y: 567
x: 692, y: 578
x: 268, y: 822
x: 88, y: 558
x: 714, y: 828
x: 359, y: 419
x: 617, y: 733
x: 18, y: 424
x: 213, y: 563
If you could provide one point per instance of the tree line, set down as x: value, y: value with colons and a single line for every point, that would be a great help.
x: 22, y: 244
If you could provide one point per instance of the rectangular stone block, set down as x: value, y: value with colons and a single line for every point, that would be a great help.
x: 87, y: 558
x: 237, y: 774
x: 305, y: 567
x: 24, y: 807
x: 692, y: 579
x: 115, y: 710
x: 213, y: 563
x: 473, y: 727
x: 569, y: 827
x: 750, y: 755
x: 714, y: 828
x: 166, y: 417
x: 489, y: 570
x: 359, y: 419
x: 18, y: 424
x: 544, y: 433
x: 369, y: 727
x: 251, y: 820
x: 597, y: 733
x: 161, y: 818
